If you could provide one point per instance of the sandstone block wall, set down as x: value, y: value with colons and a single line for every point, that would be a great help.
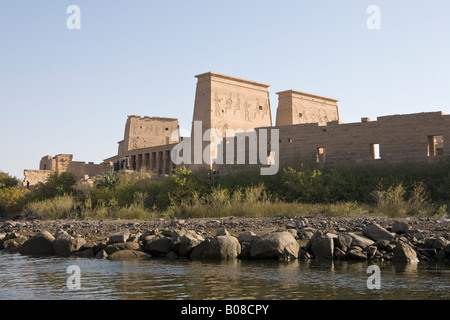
x: 228, y: 103
x: 33, y: 177
x: 412, y: 137
x: 148, y: 132
x: 295, y: 107
x: 63, y: 163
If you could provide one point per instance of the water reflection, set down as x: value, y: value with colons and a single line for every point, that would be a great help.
x: 46, y: 278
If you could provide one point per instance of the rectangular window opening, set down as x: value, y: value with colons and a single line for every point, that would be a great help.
x: 375, y: 151
x: 435, y: 146
x: 320, y: 158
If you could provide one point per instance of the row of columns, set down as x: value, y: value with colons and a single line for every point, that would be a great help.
x: 158, y: 161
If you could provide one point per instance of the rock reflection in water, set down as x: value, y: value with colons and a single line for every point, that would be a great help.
x: 24, y: 277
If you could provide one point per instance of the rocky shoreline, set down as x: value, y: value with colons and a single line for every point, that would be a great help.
x: 404, y: 240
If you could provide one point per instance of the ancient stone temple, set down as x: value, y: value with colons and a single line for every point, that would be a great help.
x: 230, y: 111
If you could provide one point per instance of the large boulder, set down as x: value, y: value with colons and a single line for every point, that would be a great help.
x: 119, y: 237
x: 439, y: 243
x: 356, y: 253
x: 306, y: 233
x: 222, y: 232
x: 86, y: 253
x: 13, y: 244
x: 111, y: 248
x: 377, y: 232
x: 176, y: 240
x: 404, y: 253
x: 276, y: 245
x: 360, y: 240
x: 188, y: 242
x: 156, y: 244
x: 323, y: 247
x: 316, y: 235
x: 40, y: 244
x: 65, y: 244
x: 343, y: 241
x: 249, y: 237
x: 219, y: 247
x: 124, y: 255
x: 101, y: 255
x: 400, y: 227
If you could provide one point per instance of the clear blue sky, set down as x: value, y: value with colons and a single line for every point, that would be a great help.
x: 70, y: 91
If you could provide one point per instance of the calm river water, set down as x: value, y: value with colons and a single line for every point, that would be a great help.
x: 46, y: 278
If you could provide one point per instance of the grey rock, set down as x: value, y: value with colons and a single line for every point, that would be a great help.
x: 382, y: 245
x: 13, y: 245
x: 428, y: 242
x: 377, y: 232
x: 340, y: 254
x: 302, y: 254
x: 40, y: 244
x: 111, y: 248
x: 124, y: 255
x: 429, y: 252
x: 360, y: 240
x: 188, y: 242
x: 355, y: 253
x: 134, y: 237
x: 371, y: 251
x: 404, y: 253
x: 176, y: 239
x: 400, y: 227
x: 119, y: 237
x: 87, y: 253
x: 293, y: 232
x: 343, y: 241
x: 297, y: 224
x: 276, y: 245
x: 317, y: 234
x: 439, y: 243
x: 245, y: 250
x: 306, y: 233
x: 323, y: 247
x: 222, y: 232
x: 219, y: 247
x: 156, y: 244
x: 249, y: 237
x: 101, y: 255
x: 64, y: 244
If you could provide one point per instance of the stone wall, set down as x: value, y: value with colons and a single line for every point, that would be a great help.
x: 296, y: 107
x: 228, y: 103
x: 148, y: 132
x: 33, y: 177
x: 63, y: 163
x: 411, y: 137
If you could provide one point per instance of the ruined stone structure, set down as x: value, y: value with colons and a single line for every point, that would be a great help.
x: 63, y: 163
x: 295, y: 107
x: 147, y: 143
x: 229, y: 109
x: 226, y: 104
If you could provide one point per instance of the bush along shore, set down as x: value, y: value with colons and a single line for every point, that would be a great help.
x: 405, y: 240
x: 389, y: 190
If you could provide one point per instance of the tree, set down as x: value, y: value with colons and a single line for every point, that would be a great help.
x: 6, y: 181
x: 56, y: 185
x: 12, y: 198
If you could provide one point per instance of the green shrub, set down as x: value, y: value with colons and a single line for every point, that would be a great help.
x: 56, y: 185
x: 60, y: 207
